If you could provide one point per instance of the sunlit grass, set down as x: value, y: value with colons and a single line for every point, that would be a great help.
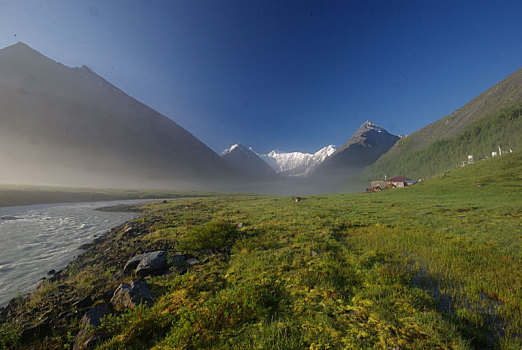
x: 433, y: 266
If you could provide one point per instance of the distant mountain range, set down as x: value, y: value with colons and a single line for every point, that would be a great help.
x: 367, y: 144
x: 69, y: 126
x: 296, y: 163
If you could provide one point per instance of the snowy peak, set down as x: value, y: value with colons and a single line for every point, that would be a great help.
x: 234, y: 148
x: 296, y: 163
x: 369, y: 126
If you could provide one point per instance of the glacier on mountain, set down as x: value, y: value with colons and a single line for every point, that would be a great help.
x: 288, y: 163
x: 296, y: 163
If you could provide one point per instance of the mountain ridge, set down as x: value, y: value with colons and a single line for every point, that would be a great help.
x: 248, y: 162
x: 365, y: 146
x: 75, y: 127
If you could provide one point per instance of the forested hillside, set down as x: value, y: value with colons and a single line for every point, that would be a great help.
x: 479, y: 140
x: 490, y: 120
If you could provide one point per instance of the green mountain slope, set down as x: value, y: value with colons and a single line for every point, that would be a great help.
x: 479, y: 140
x: 489, y: 120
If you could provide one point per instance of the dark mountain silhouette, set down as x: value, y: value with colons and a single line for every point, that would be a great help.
x: 69, y: 126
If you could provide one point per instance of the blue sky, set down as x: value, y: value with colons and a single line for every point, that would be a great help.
x: 290, y: 75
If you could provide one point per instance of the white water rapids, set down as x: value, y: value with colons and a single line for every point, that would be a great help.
x: 37, y: 238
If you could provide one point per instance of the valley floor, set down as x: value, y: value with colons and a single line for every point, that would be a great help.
x: 432, y: 266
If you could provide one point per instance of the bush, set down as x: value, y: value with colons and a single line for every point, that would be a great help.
x: 217, y: 236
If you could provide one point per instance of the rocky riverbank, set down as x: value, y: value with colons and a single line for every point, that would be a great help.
x: 108, y: 278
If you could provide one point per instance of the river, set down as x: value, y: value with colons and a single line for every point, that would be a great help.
x: 38, y: 238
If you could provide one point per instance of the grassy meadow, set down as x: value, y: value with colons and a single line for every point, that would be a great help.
x: 434, y: 266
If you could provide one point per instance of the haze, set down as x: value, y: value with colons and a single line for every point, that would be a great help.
x: 147, y: 94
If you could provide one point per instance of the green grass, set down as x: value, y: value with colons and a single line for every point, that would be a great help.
x: 432, y: 266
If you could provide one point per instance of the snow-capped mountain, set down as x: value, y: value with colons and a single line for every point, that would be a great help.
x: 248, y: 162
x: 296, y: 163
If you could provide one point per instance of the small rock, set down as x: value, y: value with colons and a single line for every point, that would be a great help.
x: 152, y: 263
x: 132, y: 263
x: 86, y: 338
x: 85, y: 246
x: 98, y: 240
x: 128, y: 231
x: 131, y: 295
x: 192, y: 262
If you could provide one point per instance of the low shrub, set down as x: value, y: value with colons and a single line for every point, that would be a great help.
x: 215, y: 236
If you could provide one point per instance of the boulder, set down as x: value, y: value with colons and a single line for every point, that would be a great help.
x: 152, y: 263
x: 89, y: 337
x: 131, y: 295
x: 132, y: 264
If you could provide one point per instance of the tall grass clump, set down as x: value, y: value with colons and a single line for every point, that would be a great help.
x: 214, y: 236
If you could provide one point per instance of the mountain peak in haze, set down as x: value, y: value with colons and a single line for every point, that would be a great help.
x: 366, y: 145
x: 248, y: 162
x: 69, y: 126
x: 21, y: 48
x: 235, y: 148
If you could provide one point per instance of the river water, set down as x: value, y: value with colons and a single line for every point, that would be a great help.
x: 37, y: 238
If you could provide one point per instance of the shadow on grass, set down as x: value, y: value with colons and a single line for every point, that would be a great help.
x: 484, y: 332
